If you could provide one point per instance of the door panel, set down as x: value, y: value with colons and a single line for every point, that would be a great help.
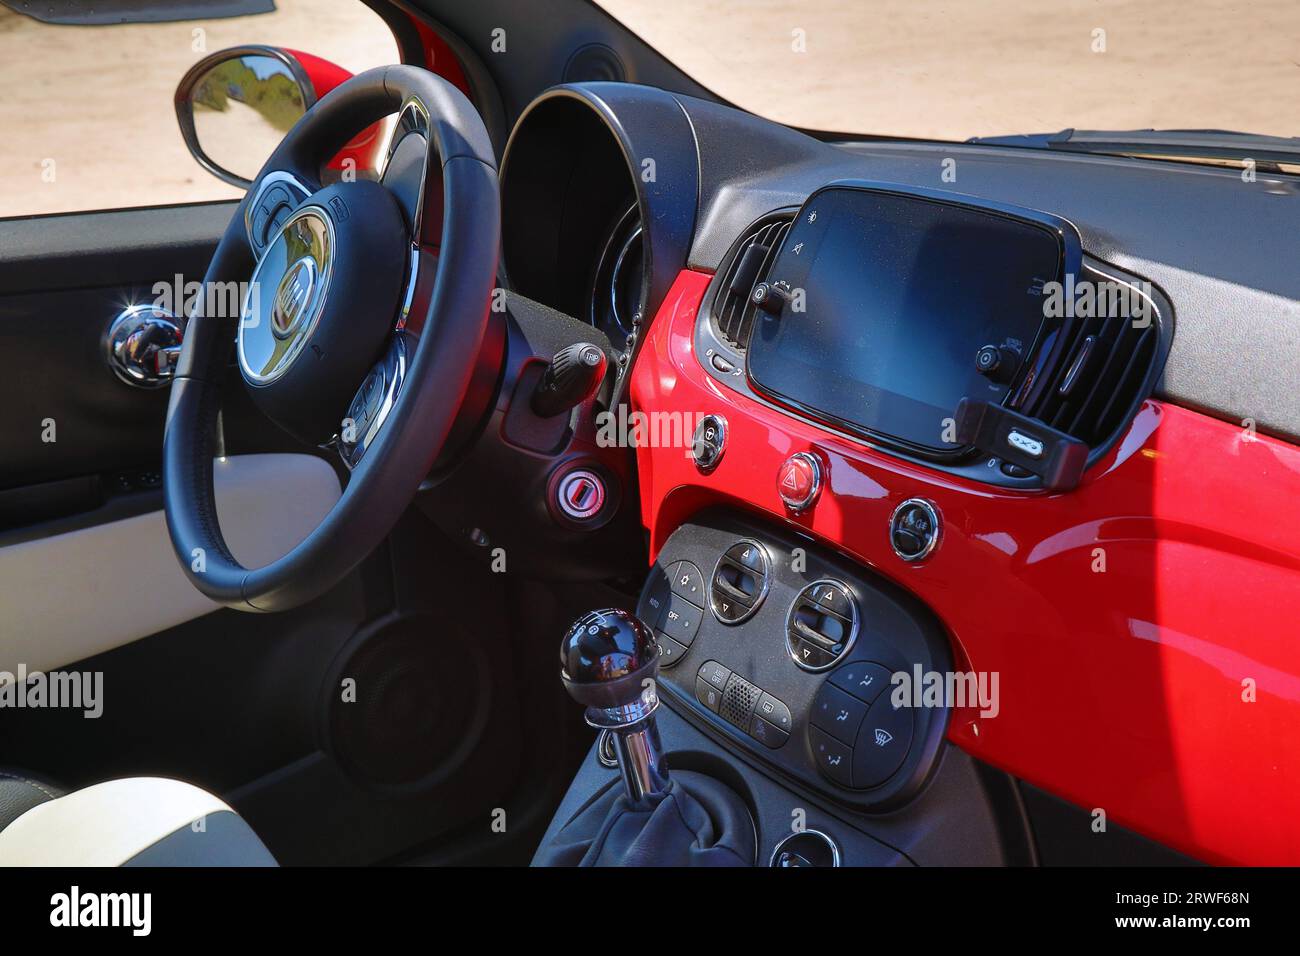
x: 65, y: 597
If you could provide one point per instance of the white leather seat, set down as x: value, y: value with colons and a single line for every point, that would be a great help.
x: 137, y: 821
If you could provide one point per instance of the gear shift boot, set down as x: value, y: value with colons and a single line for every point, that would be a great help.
x: 609, y: 662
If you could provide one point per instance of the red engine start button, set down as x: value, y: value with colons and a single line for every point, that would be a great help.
x: 799, y: 481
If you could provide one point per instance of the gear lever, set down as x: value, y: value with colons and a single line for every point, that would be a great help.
x: 610, y: 664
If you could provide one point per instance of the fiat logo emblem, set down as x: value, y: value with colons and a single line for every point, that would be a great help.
x: 292, y: 296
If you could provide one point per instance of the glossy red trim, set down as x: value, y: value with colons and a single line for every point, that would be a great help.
x: 1121, y: 690
x: 365, y: 148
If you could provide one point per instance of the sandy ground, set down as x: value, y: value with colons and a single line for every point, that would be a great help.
x: 950, y: 69
x: 97, y: 100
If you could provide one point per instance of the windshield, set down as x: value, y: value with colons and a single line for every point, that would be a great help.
x: 953, y: 69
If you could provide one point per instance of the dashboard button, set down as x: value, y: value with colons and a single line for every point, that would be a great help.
x: 808, y: 655
x: 711, y: 672
x: 681, y: 619
x: 799, y: 481
x: 740, y: 581
x: 818, y: 634
x: 707, y: 694
x: 686, y: 580
x: 748, y: 555
x: 834, y: 759
x: 769, y: 735
x: 914, y: 529
x: 837, y: 713
x: 670, y: 652
x: 863, y: 679
x: 883, y: 742
x: 774, y: 711
x: 709, y: 442
x: 835, y: 598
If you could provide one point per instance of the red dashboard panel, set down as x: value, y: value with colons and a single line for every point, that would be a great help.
x: 1144, y: 626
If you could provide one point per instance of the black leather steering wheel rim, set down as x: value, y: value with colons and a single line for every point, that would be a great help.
x: 453, y: 320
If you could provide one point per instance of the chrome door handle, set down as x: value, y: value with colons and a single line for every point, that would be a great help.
x: 144, y: 345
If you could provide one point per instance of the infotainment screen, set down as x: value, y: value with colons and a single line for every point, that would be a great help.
x: 890, y: 298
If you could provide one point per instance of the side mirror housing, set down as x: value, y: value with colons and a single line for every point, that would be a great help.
x: 235, y: 106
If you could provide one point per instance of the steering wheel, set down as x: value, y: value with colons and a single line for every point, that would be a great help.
x: 365, y: 313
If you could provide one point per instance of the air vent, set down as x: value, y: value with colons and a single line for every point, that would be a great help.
x: 747, y: 265
x: 1092, y: 389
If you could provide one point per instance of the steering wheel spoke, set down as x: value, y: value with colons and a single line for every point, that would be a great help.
x: 373, y: 402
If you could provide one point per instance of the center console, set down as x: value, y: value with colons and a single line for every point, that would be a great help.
x: 773, y: 707
x: 779, y: 648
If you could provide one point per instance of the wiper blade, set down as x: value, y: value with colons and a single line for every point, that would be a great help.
x: 1226, y: 146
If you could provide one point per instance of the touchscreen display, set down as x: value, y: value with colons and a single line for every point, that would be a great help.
x: 898, y: 294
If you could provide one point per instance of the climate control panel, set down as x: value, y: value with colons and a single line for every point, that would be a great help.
x: 792, y: 654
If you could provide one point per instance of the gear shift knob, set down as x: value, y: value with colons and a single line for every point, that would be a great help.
x: 609, y: 663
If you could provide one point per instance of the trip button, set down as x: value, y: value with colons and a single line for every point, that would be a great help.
x: 686, y: 580
x: 863, y: 679
x: 837, y: 713
x: 681, y: 619
x: 834, y: 759
x: 883, y: 742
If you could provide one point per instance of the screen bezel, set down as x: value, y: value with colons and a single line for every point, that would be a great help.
x: 1039, y: 355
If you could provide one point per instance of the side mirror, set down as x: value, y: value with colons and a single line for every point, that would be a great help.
x: 235, y: 106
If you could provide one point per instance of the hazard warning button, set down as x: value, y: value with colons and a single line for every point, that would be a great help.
x: 799, y: 481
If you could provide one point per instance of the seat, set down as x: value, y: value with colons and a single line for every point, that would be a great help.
x: 136, y: 821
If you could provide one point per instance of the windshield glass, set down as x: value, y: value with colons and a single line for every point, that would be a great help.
x: 953, y: 69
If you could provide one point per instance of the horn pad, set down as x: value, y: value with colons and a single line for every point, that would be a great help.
x: 321, y: 306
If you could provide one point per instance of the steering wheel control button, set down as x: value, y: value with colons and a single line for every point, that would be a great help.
x: 709, y: 442
x: 799, y: 481
x: 740, y: 582
x: 863, y: 679
x: 806, y: 848
x: 681, y: 619
x: 687, y: 581
x: 581, y: 494
x: 834, y: 758
x: 837, y: 713
x: 883, y: 742
x: 822, y: 625
x: 914, y: 529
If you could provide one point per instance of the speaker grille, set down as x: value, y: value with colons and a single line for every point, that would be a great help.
x: 408, y: 709
x: 738, y: 700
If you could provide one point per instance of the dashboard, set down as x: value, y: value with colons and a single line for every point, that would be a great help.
x: 902, y: 460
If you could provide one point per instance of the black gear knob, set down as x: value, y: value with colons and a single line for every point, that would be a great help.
x: 609, y: 662
x: 607, y: 658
